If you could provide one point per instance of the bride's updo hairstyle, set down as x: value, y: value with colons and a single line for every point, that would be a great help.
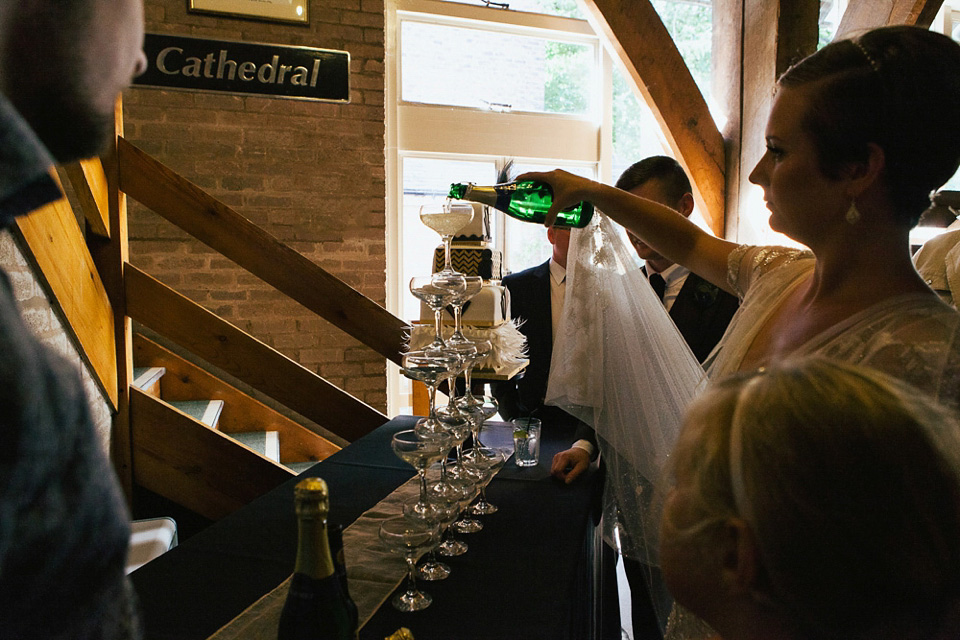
x: 897, y: 87
x: 848, y: 480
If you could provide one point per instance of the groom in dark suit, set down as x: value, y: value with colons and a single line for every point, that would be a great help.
x: 536, y: 300
x: 701, y: 312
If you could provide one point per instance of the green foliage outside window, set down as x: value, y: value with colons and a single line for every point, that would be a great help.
x: 569, y: 71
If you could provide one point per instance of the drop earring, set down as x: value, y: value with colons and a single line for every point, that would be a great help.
x: 853, y: 214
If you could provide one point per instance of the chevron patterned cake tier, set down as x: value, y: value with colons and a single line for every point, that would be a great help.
x: 472, y: 261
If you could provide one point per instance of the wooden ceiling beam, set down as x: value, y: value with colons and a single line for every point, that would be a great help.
x: 634, y: 33
x: 868, y: 14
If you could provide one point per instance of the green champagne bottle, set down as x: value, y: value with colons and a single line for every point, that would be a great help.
x: 525, y: 200
x: 316, y: 607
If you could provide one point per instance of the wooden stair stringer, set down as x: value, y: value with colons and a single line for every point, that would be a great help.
x: 241, y: 414
x: 193, y: 465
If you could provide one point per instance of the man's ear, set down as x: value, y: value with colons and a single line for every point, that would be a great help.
x: 685, y: 206
x: 740, y: 556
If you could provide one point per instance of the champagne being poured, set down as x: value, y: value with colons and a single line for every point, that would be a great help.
x: 525, y: 200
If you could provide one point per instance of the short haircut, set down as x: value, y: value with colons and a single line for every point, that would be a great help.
x: 663, y: 168
x: 896, y: 87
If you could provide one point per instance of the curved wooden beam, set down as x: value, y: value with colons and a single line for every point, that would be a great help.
x: 635, y: 34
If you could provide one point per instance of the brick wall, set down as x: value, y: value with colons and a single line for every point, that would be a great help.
x: 49, y: 327
x: 310, y: 173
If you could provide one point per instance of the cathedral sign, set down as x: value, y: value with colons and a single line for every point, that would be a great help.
x: 195, y: 64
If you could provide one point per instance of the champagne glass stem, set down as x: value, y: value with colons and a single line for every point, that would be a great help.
x: 432, y: 400
x: 467, y: 393
x: 447, y: 263
x: 437, y: 330
x: 458, y: 322
x: 411, y: 576
x: 423, y: 485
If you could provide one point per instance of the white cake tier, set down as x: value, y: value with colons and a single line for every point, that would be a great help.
x: 489, y: 308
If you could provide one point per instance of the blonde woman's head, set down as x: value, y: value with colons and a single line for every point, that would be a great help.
x: 843, y: 485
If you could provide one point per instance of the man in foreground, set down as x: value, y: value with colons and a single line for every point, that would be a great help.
x: 64, y: 528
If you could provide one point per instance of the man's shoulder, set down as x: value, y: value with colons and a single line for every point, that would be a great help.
x: 532, y: 273
x: 705, y: 292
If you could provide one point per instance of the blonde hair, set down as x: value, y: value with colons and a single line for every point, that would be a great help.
x: 849, y: 481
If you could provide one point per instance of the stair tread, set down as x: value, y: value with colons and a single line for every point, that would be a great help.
x: 143, y: 377
x: 206, y: 411
x: 266, y: 443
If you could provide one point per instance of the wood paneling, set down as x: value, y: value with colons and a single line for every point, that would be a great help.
x: 55, y: 243
x: 635, y: 34
x: 241, y: 413
x: 193, y: 465
x: 224, y: 230
x: 243, y: 356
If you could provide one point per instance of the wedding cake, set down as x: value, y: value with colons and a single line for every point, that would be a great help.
x: 472, y: 254
x: 486, y: 316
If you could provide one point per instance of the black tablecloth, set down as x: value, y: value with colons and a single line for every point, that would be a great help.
x: 528, y: 574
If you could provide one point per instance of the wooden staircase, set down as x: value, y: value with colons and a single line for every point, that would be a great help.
x: 223, y: 425
x: 180, y: 432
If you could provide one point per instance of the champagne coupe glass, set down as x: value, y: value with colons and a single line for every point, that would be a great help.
x: 456, y: 422
x: 480, y: 413
x: 437, y: 291
x: 429, y: 368
x: 467, y: 523
x: 483, y: 350
x: 473, y: 286
x: 409, y: 537
x: 420, y: 452
x: 450, y: 545
x: 446, y: 512
x: 488, y: 460
x: 457, y: 427
x: 446, y: 219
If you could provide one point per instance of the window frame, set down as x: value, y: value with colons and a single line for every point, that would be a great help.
x: 416, y: 129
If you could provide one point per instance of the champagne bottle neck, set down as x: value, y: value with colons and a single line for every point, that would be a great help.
x: 482, y: 194
x: 313, y: 549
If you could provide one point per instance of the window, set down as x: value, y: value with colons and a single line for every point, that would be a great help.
x: 497, y: 71
x: 469, y: 85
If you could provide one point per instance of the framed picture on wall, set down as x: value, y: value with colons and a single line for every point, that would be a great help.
x: 280, y: 10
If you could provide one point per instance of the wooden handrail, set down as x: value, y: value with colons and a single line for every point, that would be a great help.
x: 218, y: 226
x: 241, y: 355
x: 56, y: 245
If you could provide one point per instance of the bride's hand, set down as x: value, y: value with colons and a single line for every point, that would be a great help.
x: 568, y: 189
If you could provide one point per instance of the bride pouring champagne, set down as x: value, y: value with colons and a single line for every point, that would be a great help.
x: 859, y: 134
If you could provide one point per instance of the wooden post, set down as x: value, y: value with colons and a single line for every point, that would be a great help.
x: 110, y: 254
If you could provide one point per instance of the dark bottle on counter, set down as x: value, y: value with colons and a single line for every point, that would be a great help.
x: 317, y: 607
x: 335, y: 535
x: 525, y: 200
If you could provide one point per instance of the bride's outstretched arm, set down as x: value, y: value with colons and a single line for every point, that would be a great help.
x: 660, y: 227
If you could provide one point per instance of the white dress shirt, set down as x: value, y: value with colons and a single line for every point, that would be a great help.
x: 674, y: 276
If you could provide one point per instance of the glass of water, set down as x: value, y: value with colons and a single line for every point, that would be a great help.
x: 526, y: 442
